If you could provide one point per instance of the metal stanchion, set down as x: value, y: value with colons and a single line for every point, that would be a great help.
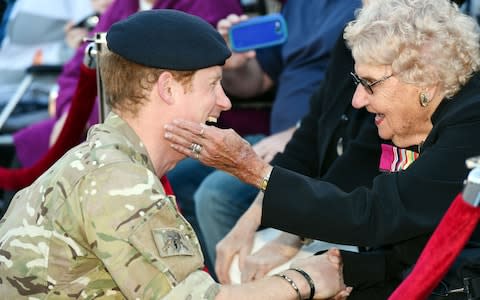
x: 93, y: 54
x: 471, y: 192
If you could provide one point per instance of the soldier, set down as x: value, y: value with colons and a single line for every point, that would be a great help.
x: 98, y: 223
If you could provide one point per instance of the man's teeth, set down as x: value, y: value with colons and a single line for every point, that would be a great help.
x: 212, y: 120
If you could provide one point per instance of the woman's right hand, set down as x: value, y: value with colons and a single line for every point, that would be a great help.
x: 238, y: 59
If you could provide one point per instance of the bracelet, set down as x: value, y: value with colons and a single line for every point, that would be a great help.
x: 264, y: 183
x: 292, y: 283
x: 308, y: 279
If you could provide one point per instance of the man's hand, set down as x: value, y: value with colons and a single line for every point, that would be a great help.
x: 239, y: 241
x: 327, y: 274
x: 74, y: 35
x: 238, y: 59
x: 268, y: 147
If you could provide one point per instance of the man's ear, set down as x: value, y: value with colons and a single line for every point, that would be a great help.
x: 164, y: 86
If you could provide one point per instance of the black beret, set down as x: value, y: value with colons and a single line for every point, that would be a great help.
x: 168, y: 39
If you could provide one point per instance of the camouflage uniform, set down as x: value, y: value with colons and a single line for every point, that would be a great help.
x: 98, y: 224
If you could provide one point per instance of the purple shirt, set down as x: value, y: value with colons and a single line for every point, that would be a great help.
x: 33, y: 142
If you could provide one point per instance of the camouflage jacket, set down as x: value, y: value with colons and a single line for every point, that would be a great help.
x: 98, y: 224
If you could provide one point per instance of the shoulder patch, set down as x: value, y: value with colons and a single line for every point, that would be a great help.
x: 172, y: 242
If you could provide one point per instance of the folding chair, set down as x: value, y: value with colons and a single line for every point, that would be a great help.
x: 44, y: 73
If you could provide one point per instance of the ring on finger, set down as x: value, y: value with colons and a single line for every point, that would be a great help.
x: 196, y: 148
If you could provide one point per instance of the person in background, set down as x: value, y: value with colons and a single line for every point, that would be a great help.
x: 295, y: 68
x: 76, y: 32
x: 470, y: 7
x: 39, y: 134
x: 416, y: 70
x: 5, y: 9
x: 34, y: 36
x: 98, y: 223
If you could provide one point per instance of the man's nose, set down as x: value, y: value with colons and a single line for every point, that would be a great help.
x: 224, y: 102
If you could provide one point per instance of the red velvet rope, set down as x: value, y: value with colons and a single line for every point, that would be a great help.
x: 440, y: 252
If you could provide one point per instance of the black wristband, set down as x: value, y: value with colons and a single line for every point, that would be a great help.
x: 308, y: 279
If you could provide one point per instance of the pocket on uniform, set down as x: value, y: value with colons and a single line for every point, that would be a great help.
x: 161, y: 240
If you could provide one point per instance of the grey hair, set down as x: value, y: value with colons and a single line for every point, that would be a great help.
x: 426, y: 42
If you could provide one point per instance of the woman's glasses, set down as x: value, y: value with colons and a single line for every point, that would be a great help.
x: 366, y: 84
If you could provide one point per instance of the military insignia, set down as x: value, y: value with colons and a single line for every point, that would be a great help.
x: 172, y: 242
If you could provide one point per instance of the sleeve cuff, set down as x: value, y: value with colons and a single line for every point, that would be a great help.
x: 364, y: 269
x: 197, y: 285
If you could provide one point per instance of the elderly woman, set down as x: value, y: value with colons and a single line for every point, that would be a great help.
x: 415, y: 70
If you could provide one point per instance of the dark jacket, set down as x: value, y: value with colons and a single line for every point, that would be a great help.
x: 314, y: 192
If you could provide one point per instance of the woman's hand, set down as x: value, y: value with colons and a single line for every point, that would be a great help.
x: 223, y: 149
x: 239, y: 241
x: 271, y: 255
x: 326, y: 273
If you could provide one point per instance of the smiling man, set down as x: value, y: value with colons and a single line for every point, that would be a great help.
x: 98, y: 224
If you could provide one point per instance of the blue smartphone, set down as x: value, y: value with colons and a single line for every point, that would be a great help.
x: 258, y: 32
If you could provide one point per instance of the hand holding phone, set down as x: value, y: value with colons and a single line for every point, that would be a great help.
x: 258, y: 32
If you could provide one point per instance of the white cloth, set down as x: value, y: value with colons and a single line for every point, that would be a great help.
x: 266, y: 235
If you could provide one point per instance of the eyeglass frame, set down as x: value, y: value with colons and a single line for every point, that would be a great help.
x: 368, y: 86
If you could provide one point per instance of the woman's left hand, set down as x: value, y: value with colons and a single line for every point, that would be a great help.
x: 223, y: 149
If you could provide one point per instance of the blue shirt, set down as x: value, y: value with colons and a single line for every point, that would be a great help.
x: 298, y: 66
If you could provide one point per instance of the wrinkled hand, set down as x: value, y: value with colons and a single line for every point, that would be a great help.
x: 238, y: 59
x: 223, y: 149
x: 239, y: 241
x: 327, y: 274
x: 268, y: 147
x: 271, y: 255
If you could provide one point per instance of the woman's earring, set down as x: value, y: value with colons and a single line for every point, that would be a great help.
x: 424, y: 99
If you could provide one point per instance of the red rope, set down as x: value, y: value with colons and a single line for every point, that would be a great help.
x: 440, y: 252
x: 71, y: 134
